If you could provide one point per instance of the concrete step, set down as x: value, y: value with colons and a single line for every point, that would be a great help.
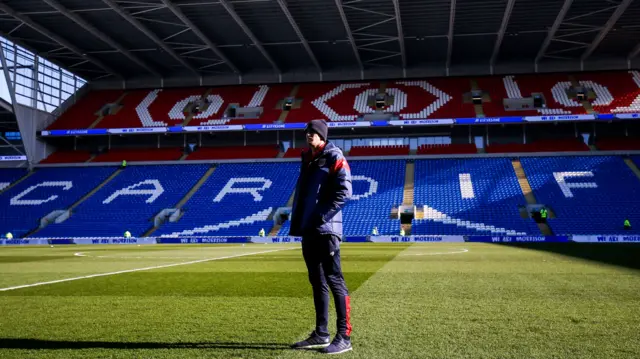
x: 523, y: 181
x: 187, y: 196
x: 407, y: 194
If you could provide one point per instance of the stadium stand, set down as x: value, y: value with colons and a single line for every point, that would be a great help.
x: 377, y: 187
x: 129, y: 202
x: 331, y: 101
x: 83, y: 113
x: 234, y: 152
x: 589, y: 195
x: 10, y: 175
x: 48, y: 189
x: 552, y: 87
x: 434, y: 98
x: 140, y: 154
x: 552, y: 145
x: 293, y: 152
x: 496, y: 87
x: 379, y: 151
x: 126, y: 116
x: 237, y: 199
x: 469, y: 197
x: 618, y: 144
x: 162, y: 108
x: 67, y: 157
x: 616, y: 92
x: 447, y: 149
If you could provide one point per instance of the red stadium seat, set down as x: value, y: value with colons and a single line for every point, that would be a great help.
x: 234, y: 152
x: 68, y: 157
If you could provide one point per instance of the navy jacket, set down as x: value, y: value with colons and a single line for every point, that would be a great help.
x: 323, y: 188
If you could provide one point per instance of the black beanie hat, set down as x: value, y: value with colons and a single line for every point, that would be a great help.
x: 318, y: 126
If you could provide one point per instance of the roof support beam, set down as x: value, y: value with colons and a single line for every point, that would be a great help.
x: 295, y: 27
x: 634, y: 52
x: 452, y: 17
x: 100, y: 35
x: 607, y: 27
x: 552, y: 31
x: 396, y: 7
x: 133, y: 21
x: 503, y: 29
x: 180, y: 15
x: 227, y: 6
x: 27, y: 21
x: 343, y: 16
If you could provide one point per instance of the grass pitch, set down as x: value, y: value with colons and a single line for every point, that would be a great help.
x: 458, y: 300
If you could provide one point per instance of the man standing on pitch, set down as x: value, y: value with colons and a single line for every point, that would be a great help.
x: 323, y: 188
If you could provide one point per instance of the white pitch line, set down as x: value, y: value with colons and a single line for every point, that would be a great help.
x: 464, y: 250
x: 139, y: 269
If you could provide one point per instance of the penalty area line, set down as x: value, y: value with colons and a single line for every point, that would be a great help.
x: 140, y: 269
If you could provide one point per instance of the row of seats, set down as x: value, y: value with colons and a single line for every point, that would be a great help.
x: 67, y: 157
x: 10, y: 175
x: 144, y: 154
x: 272, y: 151
x: 128, y: 202
x: 237, y: 152
x: 238, y: 199
x: 379, y: 151
x: 469, y: 197
x: 586, y: 194
x: 447, y: 149
x: 46, y: 190
x: 589, y: 195
x: 618, y: 144
x: 417, y: 99
x: 560, y: 145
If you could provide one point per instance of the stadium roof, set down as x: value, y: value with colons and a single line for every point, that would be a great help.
x: 297, y: 40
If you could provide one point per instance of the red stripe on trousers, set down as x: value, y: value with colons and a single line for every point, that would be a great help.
x: 348, y: 304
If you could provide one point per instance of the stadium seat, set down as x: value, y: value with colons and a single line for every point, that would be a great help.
x: 10, y: 175
x: 237, y: 199
x: 67, y: 157
x: 379, y: 151
x: 48, y: 189
x: 618, y: 144
x: 589, y: 195
x: 83, y: 113
x: 487, y: 202
x: 447, y: 149
x: 140, y: 154
x: 377, y: 187
x: 234, y: 152
x: 129, y: 202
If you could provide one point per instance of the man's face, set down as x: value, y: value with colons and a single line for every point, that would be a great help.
x: 313, y: 139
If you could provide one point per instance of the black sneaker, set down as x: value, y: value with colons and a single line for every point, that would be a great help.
x: 315, y: 341
x: 339, y: 345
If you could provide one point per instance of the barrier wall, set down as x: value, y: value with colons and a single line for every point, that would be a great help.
x: 300, y: 126
x: 350, y: 239
x: 607, y: 239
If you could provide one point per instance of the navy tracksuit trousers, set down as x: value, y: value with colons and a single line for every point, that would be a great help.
x: 322, y: 256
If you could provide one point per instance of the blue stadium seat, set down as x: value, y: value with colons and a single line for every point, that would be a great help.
x: 10, y: 175
x: 487, y: 205
x: 236, y: 200
x: 284, y: 230
x: 589, y: 195
x: 377, y: 187
x: 48, y: 189
x: 129, y: 202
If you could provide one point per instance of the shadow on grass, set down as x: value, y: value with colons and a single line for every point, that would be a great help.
x: 10, y: 343
x: 617, y: 254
